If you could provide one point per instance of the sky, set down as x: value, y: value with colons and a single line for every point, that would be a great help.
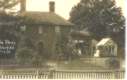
x: 62, y: 7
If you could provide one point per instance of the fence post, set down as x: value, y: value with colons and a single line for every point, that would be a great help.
x: 113, y: 73
x: 51, y: 71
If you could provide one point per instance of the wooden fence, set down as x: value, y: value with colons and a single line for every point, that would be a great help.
x: 41, y: 74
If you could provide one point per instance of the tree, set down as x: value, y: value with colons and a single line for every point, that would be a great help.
x: 7, y: 4
x: 113, y: 63
x: 101, y: 17
x: 8, y: 21
x: 8, y: 25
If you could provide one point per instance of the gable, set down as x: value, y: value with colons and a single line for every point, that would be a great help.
x: 106, y: 42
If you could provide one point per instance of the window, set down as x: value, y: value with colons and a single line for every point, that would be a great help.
x: 23, y: 28
x: 40, y: 30
x: 57, y: 29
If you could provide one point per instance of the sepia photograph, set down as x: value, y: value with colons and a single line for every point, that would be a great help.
x: 62, y: 39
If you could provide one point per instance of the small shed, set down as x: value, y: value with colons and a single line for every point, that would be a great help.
x: 106, y: 47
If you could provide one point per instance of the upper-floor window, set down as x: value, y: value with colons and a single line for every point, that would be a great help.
x: 57, y: 29
x: 23, y: 28
x: 40, y: 30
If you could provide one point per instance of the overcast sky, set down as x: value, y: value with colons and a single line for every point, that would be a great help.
x: 62, y: 7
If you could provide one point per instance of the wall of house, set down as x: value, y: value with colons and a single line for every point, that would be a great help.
x: 48, y: 36
x: 61, y: 38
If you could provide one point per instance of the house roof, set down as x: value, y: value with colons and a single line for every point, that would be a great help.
x: 45, y: 18
x: 85, y: 32
x: 104, y: 41
x: 81, y: 34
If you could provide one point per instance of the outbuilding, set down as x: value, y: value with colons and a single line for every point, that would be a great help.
x: 106, y: 47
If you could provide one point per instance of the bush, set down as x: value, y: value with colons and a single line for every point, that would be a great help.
x: 24, y: 56
x: 113, y: 63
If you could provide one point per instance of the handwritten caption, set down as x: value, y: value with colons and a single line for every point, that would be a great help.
x: 7, y: 46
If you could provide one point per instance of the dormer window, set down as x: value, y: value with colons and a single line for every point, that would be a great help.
x: 57, y: 29
x: 23, y: 28
x: 40, y: 30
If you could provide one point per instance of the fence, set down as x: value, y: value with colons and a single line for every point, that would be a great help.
x: 41, y: 74
x: 88, y: 75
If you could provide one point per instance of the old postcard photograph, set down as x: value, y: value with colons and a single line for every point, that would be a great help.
x: 62, y: 39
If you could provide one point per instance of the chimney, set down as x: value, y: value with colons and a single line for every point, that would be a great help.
x: 51, y: 6
x: 22, y: 6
